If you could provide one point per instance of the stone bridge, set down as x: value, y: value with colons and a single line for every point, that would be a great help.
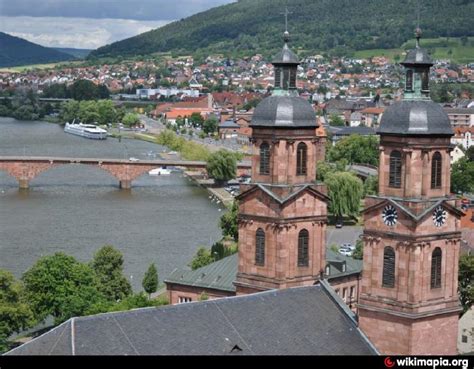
x: 25, y: 169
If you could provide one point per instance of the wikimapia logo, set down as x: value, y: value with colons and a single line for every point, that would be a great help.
x: 426, y: 362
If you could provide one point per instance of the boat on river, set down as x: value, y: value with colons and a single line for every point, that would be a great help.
x: 86, y: 130
x: 160, y: 172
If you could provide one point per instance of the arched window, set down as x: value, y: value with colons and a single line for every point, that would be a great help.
x: 260, y: 248
x: 436, y: 259
x: 388, y: 277
x: 301, y: 159
x: 264, y: 158
x: 409, y: 80
x: 395, y: 177
x: 303, y: 248
x: 436, y: 170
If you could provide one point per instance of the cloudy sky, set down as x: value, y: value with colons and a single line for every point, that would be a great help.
x: 89, y: 24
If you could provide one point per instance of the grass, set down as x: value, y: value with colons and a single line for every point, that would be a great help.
x: 440, y: 48
x: 24, y: 68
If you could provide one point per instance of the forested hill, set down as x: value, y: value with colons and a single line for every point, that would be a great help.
x: 315, y: 25
x: 15, y: 51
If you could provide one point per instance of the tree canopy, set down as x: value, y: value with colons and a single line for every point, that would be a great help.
x: 222, y: 165
x: 345, y: 191
x: 108, y: 267
x: 150, y: 280
x: 229, y: 222
x: 462, y: 176
x: 60, y: 286
x: 356, y: 149
x: 15, y: 314
x: 466, y: 280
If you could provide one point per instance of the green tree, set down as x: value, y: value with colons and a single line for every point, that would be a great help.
x: 130, y: 119
x: 229, y: 222
x: 462, y: 176
x: 108, y: 267
x: 25, y: 112
x: 150, y: 280
x: 107, y: 112
x: 356, y: 149
x: 88, y: 112
x: 202, y: 258
x: 196, y: 119
x: 15, y: 313
x: 466, y: 280
x: 345, y: 191
x: 371, y: 185
x: 470, y: 153
x: 60, y: 286
x: 336, y: 121
x: 70, y: 110
x: 358, y: 253
x: 5, y: 111
x: 84, y: 89
x: 210, y: 125
x: 222, y: 166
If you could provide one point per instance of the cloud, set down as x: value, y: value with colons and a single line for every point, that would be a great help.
x: 117, y: 9
x: 80, y: 33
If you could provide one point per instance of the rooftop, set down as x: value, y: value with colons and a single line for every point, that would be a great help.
x: 295, y: 321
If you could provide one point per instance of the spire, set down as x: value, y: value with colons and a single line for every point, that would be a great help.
x: 286, y: 64
x: 417, y: 71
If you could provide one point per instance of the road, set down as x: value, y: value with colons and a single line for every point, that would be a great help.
x: 346, y: 234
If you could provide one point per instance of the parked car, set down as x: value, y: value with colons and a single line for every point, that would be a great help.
x: 339, y: 224
x: 348, y: 246
x: 345, y: 252
x: 134, y: 159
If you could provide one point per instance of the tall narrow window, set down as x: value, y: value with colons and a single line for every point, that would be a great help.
x: 425, y: 81
x: 409, y: 81
x: 436, y: 170
x: 260, y: 248
x: 301, y: 159
x: 264, y: 158
x: 388, y: 277
x: 395, y: 177
x: 303, y: 251
x: 436, y: 259
x: 277, y: 77
x: 292, y: 78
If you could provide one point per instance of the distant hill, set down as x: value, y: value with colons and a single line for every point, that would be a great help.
x: 15, y: 51
x: 315, y: 25
x: 77, y: 53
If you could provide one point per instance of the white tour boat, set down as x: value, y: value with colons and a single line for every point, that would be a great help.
x: 86, y: 130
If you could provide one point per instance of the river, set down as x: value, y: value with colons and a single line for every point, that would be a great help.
x: 77, y: 209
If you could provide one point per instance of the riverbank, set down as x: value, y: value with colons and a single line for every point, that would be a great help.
x: 219, y: 193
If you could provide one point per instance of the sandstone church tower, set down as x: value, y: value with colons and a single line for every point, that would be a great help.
x: 409, y: 301
x: 283, y: 212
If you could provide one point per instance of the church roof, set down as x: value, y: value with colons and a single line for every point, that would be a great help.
x: 219, y: 275
x: 284, y: 112
x: 295, y: 321
x: 415, y: 117
x: 417, y: 56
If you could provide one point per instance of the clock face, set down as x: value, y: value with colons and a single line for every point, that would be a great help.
x: 439, y: 216
x: 390, y: 215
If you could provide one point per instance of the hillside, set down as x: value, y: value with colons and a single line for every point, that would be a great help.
x: 77, y: 53
x: 315, y: 25
x: 15, y: 51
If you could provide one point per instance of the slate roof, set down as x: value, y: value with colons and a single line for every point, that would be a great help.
x: 219, y: 275
x: 229, y: 124
x: 295, y: 321
x: 417, y: 56
x: 283, y: 193
x: 347, y: 131
x: 284, y: 112
x: 415, y: 118
x: 285, y: 56
x: 336, y: 260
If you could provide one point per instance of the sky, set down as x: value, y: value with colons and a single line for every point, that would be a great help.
x: 89, y: 24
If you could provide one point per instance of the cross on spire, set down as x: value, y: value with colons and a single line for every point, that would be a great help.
x: 286, y: 13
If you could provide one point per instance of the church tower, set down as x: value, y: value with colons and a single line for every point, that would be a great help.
x: 283, y: 212
x: 409, y: 296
